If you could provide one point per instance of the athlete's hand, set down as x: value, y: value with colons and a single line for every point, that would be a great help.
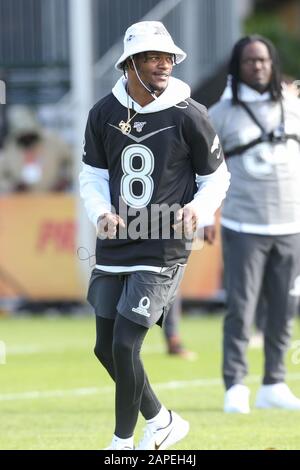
x: 107, y: 225
x: 210, y: 234
x: 186, y: 219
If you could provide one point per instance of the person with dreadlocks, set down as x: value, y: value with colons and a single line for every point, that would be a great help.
x: 152, y: 166
x: 259, y: 128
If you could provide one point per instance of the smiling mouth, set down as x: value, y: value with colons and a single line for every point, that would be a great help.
x: 161, y: 75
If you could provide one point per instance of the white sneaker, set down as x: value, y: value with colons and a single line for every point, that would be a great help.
x: 117, y: 444
x: 162, y: 438
x: 119, y: 448
x: 237, y: 399
x: 277, y: 396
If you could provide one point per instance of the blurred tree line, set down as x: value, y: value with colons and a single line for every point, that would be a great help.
x: 269, y: 20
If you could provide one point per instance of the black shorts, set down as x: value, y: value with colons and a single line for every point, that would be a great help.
x: 143, y: 297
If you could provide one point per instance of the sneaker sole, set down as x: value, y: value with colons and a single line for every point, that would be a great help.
x: 237, y: 411
x: 270, y: 406
x: 264, y: 406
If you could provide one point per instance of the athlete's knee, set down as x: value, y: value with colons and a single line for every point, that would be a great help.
x: 127, y: 341
x: 103, y: 355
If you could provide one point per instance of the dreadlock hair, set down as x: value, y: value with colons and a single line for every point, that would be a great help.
x: 126, y: 65
x: 235, y: 64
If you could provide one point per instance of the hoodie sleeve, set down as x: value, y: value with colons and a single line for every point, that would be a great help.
x: 212, y: 190
x: 94, y: 176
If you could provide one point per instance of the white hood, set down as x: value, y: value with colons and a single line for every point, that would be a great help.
x: 246, y: 93
x: 175, y: 92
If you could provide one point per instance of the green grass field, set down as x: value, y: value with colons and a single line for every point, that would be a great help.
x: 55, y: 395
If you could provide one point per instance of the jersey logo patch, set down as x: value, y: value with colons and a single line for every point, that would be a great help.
x: 142, y: 309
x: 138, y: 126
x: 143, y: 137
x: 215, y: 146
x: 158, y: 446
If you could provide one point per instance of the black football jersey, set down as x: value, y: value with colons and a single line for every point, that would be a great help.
x: 156, y: 164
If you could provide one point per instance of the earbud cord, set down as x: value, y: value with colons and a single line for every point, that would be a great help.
x: 126, y: 126
x: 152, y: 93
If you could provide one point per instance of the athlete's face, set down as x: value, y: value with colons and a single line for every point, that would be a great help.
x: 154, y: 68
x: 256, y: 66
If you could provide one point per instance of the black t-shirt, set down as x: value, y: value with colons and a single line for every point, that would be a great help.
x: 152, y: 168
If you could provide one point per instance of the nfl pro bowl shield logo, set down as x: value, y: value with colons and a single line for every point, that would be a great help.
x: 138, y: 126
x: 142, y: 309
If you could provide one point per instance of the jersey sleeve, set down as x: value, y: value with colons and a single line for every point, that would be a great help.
x: 205, y: 148
x: 93, y: 152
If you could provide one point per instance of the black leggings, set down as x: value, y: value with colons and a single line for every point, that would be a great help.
x: 118, y: 346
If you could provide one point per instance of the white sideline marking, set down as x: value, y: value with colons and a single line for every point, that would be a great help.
x: 96, y: 390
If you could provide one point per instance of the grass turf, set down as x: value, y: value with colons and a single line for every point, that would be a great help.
x: 55, y: 395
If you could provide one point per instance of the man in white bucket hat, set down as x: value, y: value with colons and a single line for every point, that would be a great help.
x: 148, y: 36
x: 147, y: 145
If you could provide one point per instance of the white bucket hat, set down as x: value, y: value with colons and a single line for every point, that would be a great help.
x: 148, y: 36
